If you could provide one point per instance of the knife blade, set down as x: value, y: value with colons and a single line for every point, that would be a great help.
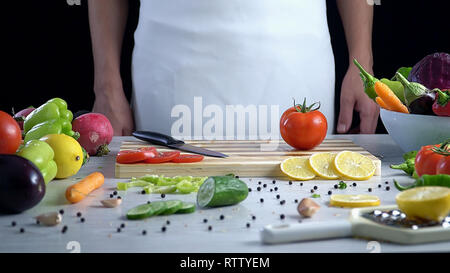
x: 170, y: 142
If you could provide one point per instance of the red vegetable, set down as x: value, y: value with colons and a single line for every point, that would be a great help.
x: 428, y: 159
x: 95, y: 131
x: 130, y: 156
x: 433, y: 71
x: 10, y: 134
x: 187, y: 158
x: 162, y: 157
x: 443, y: 166
x: 303, y: 127
x: 21, y: 115
x: 441, y: 105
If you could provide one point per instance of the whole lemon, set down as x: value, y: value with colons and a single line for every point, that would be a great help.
x: 68, y: 154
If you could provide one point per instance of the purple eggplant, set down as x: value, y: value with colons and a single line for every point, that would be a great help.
x: 22, y: 185
x: 423, y: 105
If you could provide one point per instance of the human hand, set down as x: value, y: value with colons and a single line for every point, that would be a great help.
x: 352, y: 98
x: 114, y: 105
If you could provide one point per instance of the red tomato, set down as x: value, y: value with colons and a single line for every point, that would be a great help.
x: 288, y: 111
x: 443, y: 166
x: 130, y: 156
x: 427, y: 160
x: 10, y: 134
x: 163, y: 157
x: 303, y: 130
x: 187, y: 158
x: 149, y: 151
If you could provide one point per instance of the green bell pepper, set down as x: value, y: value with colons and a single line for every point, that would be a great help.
x: 53, y: 126
x: 41, y: 154
x: 51, y: 110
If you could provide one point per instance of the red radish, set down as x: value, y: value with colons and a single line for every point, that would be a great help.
x: 95, y: 131
x: 21, y: 115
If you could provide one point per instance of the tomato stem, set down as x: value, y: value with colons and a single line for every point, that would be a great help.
x: 443, y: 148
x: 306, y: 109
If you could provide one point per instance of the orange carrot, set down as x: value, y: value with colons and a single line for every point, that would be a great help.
x: 80, y: 190
x: 381, y: 103
x: 389, y: 98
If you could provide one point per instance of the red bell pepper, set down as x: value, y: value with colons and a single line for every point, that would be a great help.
x: 441, y: 105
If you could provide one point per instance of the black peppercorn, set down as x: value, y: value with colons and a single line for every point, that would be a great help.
x: 253, y: 217
x: 312, y: 191
x: 388, y: 188
x: 122, y: 225
x: 248, y: 225
x: 379, y: 185
x: 222, y: 217
x: 273, y: 181
x: 387, y: 182
x: 118, y: 230
x: 335, y: 186
x: 290, y: 182
x: 163, y: 229
x: 278, y: 196
x: 143, y: 191
x: 61, y: 211
x: 261, y: 200
x: 209, y: 227
x: 296, y: 200
x: 111, y: 196
x: 329, y: 192
x: 259, y: 182
x: 249, y: 189
x: 282, y: 216
x: 271, y: 190
x: 64, y: 229
x: 265, y: 185
x: 118, y: 197
x: 370, y: 189
x: 282, y: 202
x: 275, y: 189
x: 205, y: 220
x: 148, y: 202
x: 144, y: 232
x: 315, y: 187
x: 13, y: 223
x: 115, y: 192
x: 258, y: 188
x: 37, y: 222
x: 168, y: 222
x: 163, y: 195
x: 22, y: 230
x: 82, y: 220
x: 78, y: 214
x: 354, y: 184
x: 301, y: 183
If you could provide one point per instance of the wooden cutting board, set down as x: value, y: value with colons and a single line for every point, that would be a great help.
x: 247, y: 158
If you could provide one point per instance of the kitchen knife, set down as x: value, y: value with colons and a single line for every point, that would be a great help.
x: 170, y: 142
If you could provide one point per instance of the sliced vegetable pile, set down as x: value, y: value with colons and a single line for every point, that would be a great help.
x: 162, y: 184
x: 160, y: 208
x: 150, y: 155
x: 422, y: 89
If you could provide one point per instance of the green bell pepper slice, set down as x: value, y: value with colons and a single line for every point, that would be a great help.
x: 41, y: 154
x: 51, y: 110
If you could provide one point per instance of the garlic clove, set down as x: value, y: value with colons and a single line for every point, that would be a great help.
x: 49, y: 219
x: 307, y: 207
x: 111, y: 203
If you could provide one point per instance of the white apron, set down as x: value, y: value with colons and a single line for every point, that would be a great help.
x: 227, y: 69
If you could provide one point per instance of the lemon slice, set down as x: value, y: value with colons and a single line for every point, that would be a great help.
x: 429, y: 203
x: 354, y: 200
x: 322, y: 164
x: 297, y: 168
x: 354, y: 165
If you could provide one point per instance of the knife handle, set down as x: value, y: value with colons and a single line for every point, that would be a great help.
x: 156, y: 138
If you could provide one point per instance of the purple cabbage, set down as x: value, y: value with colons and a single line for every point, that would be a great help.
x: 433, y: 71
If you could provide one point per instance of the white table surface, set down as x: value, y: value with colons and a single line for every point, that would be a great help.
x: 188, y: 233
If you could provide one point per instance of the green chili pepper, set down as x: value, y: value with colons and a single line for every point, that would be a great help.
x: 442, y: 180
x: 53, y: 109
x: 407, y: 166
x: 41, y: 154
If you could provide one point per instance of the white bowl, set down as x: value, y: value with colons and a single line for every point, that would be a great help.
x: 411, y: 131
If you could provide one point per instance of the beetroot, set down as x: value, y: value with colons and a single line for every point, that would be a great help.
x: 21, y: 115
x: 95, y: 131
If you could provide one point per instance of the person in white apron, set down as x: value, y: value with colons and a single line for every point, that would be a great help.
x: 223, y: 69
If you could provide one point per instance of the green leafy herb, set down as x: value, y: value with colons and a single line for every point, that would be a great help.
x: 315, y: 195
x: 342, y: 185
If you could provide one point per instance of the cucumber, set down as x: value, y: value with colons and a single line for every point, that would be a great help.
x: 221, y: 191
x: 186, y: 208
x: 172, y: 206
x: 146, y: 210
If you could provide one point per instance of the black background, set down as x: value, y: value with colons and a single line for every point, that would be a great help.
x: 47, y: 51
